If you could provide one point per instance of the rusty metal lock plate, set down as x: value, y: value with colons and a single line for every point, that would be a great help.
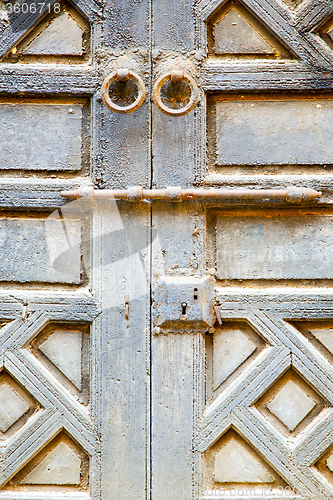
x: 181, y: 300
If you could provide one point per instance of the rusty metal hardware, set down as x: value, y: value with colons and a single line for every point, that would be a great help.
x: 218, y: 315
x: 126, y: 307
x: 123, y: 74
x: 183, y: 299
x: 174, y: 76
x: 176, y: 193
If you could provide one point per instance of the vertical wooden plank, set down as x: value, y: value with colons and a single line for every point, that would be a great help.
x: 122, y: 146
x: 173, y: 25
x: 172, y: 385
x: 174, y: 153
x: 177, y: 383
x: 121, y: 341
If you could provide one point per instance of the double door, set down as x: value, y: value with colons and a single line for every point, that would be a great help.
x: 157, y: 349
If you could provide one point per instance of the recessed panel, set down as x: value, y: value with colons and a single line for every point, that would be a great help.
x: 273, y: 131
x: 290, y: 404
x: 232, y: 462
x: 62, y: 36
x: 233, y: 34
x: 233, y: 31
x: 274, y: 246
x: 61, y: 465
x: 41, y: 136
x: 28, y: 248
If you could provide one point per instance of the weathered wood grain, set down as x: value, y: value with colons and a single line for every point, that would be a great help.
x: 30, y: 79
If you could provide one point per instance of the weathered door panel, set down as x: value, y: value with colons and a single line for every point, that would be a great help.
x: 74, y: 276
x: 118, y: 378
x: 259, y: 402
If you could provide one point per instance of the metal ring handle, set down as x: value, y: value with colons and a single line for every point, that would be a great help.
x: 174, y: 76
x: 123, y: 74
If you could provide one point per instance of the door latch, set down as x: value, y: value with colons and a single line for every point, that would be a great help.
x: 184, y: 300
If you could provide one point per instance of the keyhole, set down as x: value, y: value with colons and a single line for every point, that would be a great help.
x: 195, y: 294
x: 184, y: 306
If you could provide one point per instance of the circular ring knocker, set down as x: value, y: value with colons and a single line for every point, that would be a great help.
x: 123, y: 74
x: 176, y: 76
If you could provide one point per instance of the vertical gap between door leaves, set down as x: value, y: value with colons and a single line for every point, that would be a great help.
x: 150, y: 366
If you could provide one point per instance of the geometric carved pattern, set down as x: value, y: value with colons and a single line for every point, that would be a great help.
x: 326, y: 32
x: 51, y: 449
x: 325, y: 465
x: 60, y: 463
x: 320, y: 334
x: 290, y: 400
x: 60, y: 466
x: 232, y: 461
x: 274, y: 418
x: 293, y: 3
x: 64, y: 350
x: 62, y: 36
x: 15, y: 403
x: 234, y: 32
x: 325, y: 336
x: 291, y: 405
x: 230, y: 351
x: 231, y: 346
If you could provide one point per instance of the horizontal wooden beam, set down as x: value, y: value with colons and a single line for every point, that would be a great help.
x: 28, y: 79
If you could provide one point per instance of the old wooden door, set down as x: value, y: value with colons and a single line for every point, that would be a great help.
x: 165, y: 349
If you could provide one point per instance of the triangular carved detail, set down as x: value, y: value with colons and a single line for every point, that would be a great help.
x: 234, y: 32
x: 62, y: 36
x: 233, y: 461
x: 61, y: 463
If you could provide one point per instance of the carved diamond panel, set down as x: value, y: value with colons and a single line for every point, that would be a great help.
x: 290, y: 403
x: 270, y: 422
x: 52, y: 449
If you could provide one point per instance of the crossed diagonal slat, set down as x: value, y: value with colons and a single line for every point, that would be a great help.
x: 292, y: 459
x: 294, y: 27
x: 59, y: 409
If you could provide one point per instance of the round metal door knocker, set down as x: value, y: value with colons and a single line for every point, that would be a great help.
x: 173, y: 77
x: 123, y: 75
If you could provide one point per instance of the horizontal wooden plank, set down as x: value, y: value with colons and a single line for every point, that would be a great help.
x: 318, y: 182
x: 278, y: 75
x: 290, y: 303
x: 35, y: 80
x: 67, y: 306
x: 32, y: 193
